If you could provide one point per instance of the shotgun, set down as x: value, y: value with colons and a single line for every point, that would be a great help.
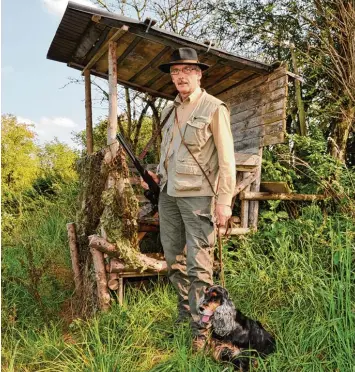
x: 152, y: 194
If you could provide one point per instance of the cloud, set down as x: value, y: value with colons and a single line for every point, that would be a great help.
x: 57, y: 121
x: 57, y: 7
x: 23, y: 120
x: 47, y: 128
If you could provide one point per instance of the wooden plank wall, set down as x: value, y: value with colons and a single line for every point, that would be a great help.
x: 258, y: 111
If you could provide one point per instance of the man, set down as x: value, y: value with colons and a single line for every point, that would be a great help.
x: 196, y: 175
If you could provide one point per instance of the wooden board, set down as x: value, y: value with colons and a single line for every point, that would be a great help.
x: 248, y: 160
x: 124, y: 43
x: 275, y: 187
x: 252, y: 84
x: 138, y: 57
x: 262, y: 119
x: 258, y: 100
x: 258, y: 111
x: 230, y: 81
x: 260, y: 131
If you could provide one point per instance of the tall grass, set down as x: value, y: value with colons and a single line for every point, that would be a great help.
x: 294, y: 276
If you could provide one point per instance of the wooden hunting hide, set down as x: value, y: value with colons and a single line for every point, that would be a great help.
x: 128, y: 52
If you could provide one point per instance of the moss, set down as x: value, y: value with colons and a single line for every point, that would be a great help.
x: 114, y: 210
x: 92, y: 178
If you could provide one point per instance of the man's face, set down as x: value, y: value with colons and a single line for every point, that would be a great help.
x: 186, y: 82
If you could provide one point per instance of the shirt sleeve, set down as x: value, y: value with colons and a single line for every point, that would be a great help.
x: 223, y: 139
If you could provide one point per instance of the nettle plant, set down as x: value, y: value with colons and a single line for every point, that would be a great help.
x: 308, y: 168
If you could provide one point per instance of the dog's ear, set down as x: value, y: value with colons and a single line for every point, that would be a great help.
x: 224, y: 293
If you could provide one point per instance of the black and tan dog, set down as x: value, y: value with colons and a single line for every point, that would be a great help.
x: 234, y: 337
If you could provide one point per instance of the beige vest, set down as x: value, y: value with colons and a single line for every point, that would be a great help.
x: 180, y: 171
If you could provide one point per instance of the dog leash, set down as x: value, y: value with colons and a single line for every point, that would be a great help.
x: 220, y: 254
x: 219, y: 238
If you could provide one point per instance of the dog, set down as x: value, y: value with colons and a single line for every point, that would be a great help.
x: 234, y: 337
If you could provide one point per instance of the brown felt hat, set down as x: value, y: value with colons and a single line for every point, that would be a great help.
x: 183, y: 56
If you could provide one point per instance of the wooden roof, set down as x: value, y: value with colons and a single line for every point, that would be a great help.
x: 82, y: 37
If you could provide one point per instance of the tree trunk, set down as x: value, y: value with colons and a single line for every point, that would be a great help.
x: 338, y: 142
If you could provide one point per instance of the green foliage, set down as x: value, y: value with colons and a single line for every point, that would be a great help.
x: 308, y: 168
x: 57, y: 162
x: 321, y: 37
x: 19, y: 155
x: 30, y: 171
x: 99, y: 133
x: 36, y: 274
x: 294, y: 276
x: 100, y: 138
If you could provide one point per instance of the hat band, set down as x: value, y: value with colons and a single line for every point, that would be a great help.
x: 183, y: 61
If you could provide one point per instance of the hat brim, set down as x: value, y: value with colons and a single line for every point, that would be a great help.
x: 165, y: 67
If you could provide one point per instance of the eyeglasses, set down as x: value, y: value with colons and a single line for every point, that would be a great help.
x: 186, y: 70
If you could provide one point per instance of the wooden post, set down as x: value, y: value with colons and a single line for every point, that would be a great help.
x: 299, y: 101
x: 244, y: 206
x: 120, y: 290
x: 98, y: 257
x: 88, y: 111
x: 74, y: 254
x: 255, y: 187
x: 112, y: 81
x: 101, y: 280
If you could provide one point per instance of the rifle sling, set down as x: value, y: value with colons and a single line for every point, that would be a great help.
x: 155, y: 135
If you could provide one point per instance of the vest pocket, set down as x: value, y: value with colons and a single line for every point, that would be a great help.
x: 188, y: 177
x: 196, y: 132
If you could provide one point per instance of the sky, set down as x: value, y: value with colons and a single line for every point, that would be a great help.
x: 33, y: 88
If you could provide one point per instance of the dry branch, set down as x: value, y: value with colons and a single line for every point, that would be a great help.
x: 102, y: 245
x: 100, y: 275
x: 74, y: 254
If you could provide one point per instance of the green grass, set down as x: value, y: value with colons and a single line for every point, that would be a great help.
x: 295, y: 276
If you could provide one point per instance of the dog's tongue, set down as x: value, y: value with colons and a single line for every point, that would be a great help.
x: 206, y: 316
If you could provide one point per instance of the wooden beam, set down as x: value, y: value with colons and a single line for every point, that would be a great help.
x: 89, y: 37
x: 112, y: 81
x: 129, y: 49
x: 255, y: 187
x: 244, y: 205
x: 88, y: 112
x: 234, y: 231
x: 299, y: 100
x: 126, y: 83
x: 151, y: 63
x: 103, y: 49
x: 248, y: 195
x: 240, y: 186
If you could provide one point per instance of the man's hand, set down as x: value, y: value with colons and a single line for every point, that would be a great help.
x: 223, y: 213
x: 155, y: 178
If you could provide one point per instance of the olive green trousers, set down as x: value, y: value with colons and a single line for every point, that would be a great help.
x: 188, y: 237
